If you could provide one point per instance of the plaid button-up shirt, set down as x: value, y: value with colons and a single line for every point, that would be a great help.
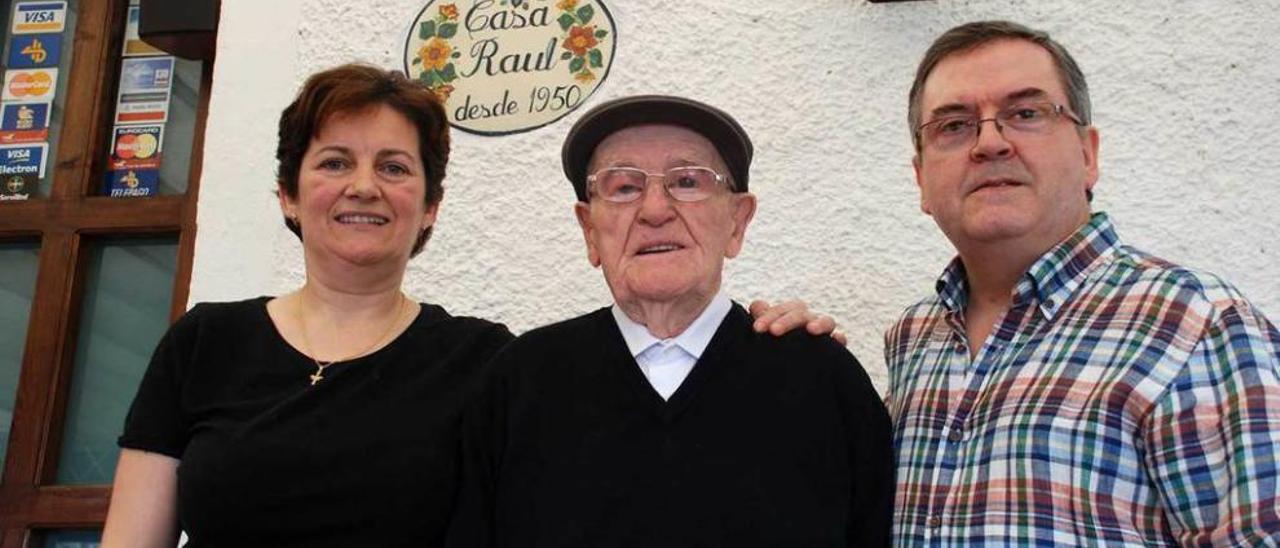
x: 1120, y: 400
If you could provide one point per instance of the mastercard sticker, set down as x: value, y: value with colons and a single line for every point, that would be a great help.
x: 31, y: 85
x: 136, y: 147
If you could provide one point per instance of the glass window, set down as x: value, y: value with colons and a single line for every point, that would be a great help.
x: 128, y: 289
x: 154, y: 123
x: 17, y: 289
x: 181, y: 127
x: 38, y: 40
x: 72, y: 538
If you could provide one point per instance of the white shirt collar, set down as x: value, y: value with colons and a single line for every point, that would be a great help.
x: 693, y: 340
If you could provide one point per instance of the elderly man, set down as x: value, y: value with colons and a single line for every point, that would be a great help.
x: 665, y: 420
x: 1061, y: 388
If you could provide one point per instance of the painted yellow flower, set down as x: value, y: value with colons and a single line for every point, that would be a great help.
x: 567, y: 5
x: 449, y: 11
x: 585, y: 76
x: 580, y: 40
x: 435, y: 54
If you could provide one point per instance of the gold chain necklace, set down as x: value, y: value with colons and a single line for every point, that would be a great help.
x: 322, y: 365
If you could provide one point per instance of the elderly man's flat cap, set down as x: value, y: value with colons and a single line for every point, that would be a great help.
x: 722, y: 130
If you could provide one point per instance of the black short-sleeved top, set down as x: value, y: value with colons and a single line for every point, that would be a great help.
x: 367, y: 457
x: 770, y: 441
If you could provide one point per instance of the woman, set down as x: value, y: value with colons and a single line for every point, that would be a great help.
x: 327, y: 416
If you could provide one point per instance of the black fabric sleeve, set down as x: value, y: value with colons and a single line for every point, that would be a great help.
x: 156, y: 422
x: 868, y: 433
x: 472, y: 523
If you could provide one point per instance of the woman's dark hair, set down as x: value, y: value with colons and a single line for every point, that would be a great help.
x: 352, y: 88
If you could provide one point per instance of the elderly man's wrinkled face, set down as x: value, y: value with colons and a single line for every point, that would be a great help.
x: 656, y: 249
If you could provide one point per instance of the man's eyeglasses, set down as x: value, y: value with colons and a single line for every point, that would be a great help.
x: 961, y: 131
x: 626, y: 184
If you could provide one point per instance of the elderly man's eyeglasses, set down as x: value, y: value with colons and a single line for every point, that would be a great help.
x: 626, y: 184
x: 962, y: 131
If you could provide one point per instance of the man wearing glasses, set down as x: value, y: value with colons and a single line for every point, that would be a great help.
x: 1061, y: 388
x: 665, y: 419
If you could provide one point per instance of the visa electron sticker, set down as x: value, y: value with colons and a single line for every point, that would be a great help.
x: 30, y: 85
x: 39, y: 17
x: 21, y: 168
x: 24, y: 122
x: 23, y: 159
x: 34, y: 50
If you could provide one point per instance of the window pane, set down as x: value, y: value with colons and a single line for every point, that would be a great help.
x: 128, y: 290
x: 17, y: 287
x: 180, y: 130
x: 73, y: 538
x: 37, y: 58
x: 155, y: 115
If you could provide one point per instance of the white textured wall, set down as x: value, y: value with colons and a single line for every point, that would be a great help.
x: 1186, y: 95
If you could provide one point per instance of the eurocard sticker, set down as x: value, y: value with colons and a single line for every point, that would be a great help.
x: 133, y: 44
x: 30, y: 85
x: 136, y: 147
x: 512, y: 65
x: 133, y: 183
x: 39, y: 17
x: 145, y: 83
x: 34, y: 50
x: 24, y: 123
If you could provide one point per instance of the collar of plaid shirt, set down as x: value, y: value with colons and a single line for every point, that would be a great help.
x: 1052, y: 278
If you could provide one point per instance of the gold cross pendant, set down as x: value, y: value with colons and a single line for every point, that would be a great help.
x: 319, y: 374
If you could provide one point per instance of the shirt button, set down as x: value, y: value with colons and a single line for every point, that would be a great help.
x: 934, y: 522
x: 956, y: 435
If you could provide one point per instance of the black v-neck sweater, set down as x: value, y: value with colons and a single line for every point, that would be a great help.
x: 770, y: 441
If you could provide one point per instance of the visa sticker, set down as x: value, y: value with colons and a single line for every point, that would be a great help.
x: 39, y: 17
